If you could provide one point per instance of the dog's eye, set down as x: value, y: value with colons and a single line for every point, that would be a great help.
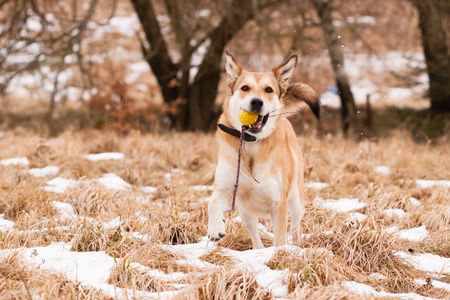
x: 269, y: 90
x: 245, y: 88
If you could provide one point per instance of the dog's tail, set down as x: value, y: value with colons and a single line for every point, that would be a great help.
x: 297, y: 95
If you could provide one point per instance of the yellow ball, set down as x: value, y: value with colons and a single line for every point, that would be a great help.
x: 248, y: 118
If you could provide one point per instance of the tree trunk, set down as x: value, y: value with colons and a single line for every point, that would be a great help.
x: 197, y: 111
x: 158, y: 59
x: 436, y: 51
x: 324, y: 9
x: 204, y: 88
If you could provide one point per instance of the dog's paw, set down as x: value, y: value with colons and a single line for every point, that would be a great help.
x: 217, y: 231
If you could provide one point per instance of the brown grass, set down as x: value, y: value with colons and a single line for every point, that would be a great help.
x: 238, y: 238
x: 177, y: 215
x: 125, y: 276
x: 367, y: 249
x: 227, y: 283
x: 21, y: 282
x: 315, y: 267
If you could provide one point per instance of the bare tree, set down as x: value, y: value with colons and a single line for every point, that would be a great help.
x: 34, y: 34
x: 437, y: 55
x: 324, y: 9
x: 194, y: 95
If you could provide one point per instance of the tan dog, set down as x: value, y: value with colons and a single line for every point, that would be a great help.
x: 271, y: 152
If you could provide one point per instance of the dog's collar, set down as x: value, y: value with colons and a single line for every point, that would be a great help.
x: 237, y: 133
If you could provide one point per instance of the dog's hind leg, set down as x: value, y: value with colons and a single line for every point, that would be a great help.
x: 279, y: 220
x: 251, y: 223
x: 296, y: 211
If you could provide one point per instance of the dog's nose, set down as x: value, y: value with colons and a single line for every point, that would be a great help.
x: 256, y: 104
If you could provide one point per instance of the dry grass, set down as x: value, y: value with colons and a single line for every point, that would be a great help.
x: 238, y: 238
x: 176, y: 215
x: 316, y: 267
x: 226, y: 283
x: 21, y: 282
x: 125, y: 276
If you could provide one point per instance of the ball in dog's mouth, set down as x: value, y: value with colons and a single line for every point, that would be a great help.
x: 259, y: 124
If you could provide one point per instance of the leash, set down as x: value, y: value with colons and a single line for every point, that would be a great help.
x: 241, y: 139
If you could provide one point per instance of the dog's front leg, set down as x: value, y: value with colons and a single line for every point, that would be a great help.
x: 220, y: 200
x: 219, y: 203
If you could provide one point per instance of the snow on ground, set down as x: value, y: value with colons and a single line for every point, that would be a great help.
x: 413, y: 234
x: 364, y: 289
x: 431, y: 183
x: 90, y: 269
x: 393, y: 212
x: 382, y: 170
x: 427, y: 262
x: 341, y: 205
x: 148, y: 189
x: 65, y: 210
x: 5, y: 224
x: 316, y: 185
x: 377, y: 86
x: 44, y: 172
x: 358, y: 216
x: 59, y: 185
x: 114, y: 182
x: 109, y: 180
x: 104, y: 156
x: 434, y: 283
x: 15, y: 161
x: 414, y: 201
x: 253, y: 260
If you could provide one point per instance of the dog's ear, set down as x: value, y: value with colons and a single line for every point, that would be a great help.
x: 233, y: 69
x: 284, y: 72
x: 297, y: 97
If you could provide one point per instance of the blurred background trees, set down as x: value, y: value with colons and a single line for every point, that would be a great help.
x: 156, y: 64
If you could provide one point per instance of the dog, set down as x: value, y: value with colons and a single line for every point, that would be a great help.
x: 272, y: 183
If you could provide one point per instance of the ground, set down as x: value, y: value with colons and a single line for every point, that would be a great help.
x: 130, y: 222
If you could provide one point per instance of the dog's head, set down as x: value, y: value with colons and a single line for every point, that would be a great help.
x: 267, y: 94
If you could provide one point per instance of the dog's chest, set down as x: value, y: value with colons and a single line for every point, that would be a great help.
x: 258, y: 194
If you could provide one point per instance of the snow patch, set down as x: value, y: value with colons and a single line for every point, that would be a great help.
x: 65, y: 210
x: 15, y: 161
x: 393, y: 212
x: 59, y: 185
x: 358, y: 216
x: 90, y: 269
x: 112, y: 224
x: 44, y: 172
x: 392, y: 229
x: 399, y: 93
x: 104, y: 156
x: 316, y: 185
x: 5, y: 224
x: 341, y: 205
x: 414, y: 234
x: 414, y: 201
x: 427, y: 262
x: 114, y: 182
x: 364, y: 289
x: 382, y: 170
x: 431, y: 183
x: 148, y: 189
